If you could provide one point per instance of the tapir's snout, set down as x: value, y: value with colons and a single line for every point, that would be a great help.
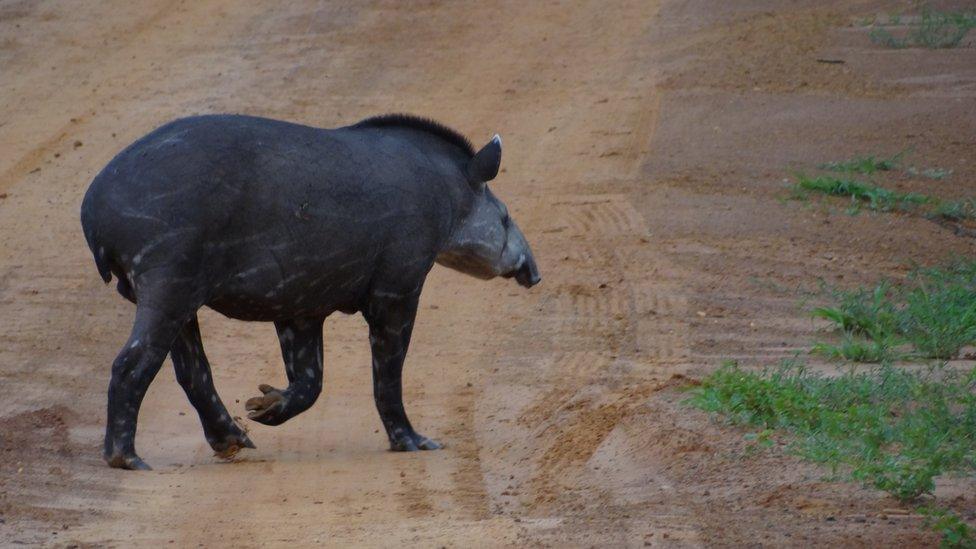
x: 527, y: 274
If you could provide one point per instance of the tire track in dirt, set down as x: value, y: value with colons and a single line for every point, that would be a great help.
x: 580, y: 419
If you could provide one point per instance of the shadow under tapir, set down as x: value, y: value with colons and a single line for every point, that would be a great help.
x: 266, y: 220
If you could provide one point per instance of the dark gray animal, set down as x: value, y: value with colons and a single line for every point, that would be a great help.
x: 266, y: 220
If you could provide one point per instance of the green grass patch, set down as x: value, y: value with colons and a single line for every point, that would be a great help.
x: 865, y: 165
x: 859, y: 349
x: 932, y: 314
x: 874, y: 197
x: 955, y: 210
x: 889, y: 428
x: 931, y: 29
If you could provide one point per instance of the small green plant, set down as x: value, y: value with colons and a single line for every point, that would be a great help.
x: 932, y: 29
x: 937, y: 174
x: 955, y: 532
x: 939, y: 316
x: 865, y: 165
x: 933, y: 311
x: 874, y: 197
x: 858, y: 349
x: 955, y: 210
x: 759, y: 441
x: 862, y: 311
x: 869, y: 324
x: 880, y: 199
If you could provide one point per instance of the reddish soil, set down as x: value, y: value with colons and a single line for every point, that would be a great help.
x: 647, y: 145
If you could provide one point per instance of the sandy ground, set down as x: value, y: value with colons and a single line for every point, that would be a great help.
x: 646, y: 145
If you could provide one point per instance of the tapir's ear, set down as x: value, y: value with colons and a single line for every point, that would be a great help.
x: 484, y: 166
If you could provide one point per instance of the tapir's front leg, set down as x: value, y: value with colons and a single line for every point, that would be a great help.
x: 390, y: 319
x: 301, y: 348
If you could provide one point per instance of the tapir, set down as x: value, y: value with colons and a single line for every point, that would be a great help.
x: 266, y: 220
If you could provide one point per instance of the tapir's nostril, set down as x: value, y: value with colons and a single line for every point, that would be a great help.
x: 528, y: 274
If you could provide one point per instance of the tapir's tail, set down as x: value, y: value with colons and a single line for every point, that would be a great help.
x: 88, y: 228
x: 103, y: 256
x: 103, y: 269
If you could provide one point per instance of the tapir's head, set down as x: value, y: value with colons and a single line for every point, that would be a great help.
x: 487, y: 242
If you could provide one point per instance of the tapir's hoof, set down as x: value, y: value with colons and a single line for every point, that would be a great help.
x: 414, y: 442
x: 267, y: 408
x: 230, y: 446
x: 131, y: 462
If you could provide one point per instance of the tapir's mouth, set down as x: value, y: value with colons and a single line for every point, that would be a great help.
x: 526, y: 274
x: 526, y: 278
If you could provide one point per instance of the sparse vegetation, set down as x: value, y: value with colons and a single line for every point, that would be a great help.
x: 890, y: 428
x: 874, y: 197
x: 867, y: 194
x: 930, y: 29
x: 955, y: 210
x: 866, y: 165
x: 955, y: 532
x: 858, y: 349
x: 933, y: 313
x: 893, y: 428
x: 937, y: 174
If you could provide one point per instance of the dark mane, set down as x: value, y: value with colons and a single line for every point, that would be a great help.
x: 418, y: 123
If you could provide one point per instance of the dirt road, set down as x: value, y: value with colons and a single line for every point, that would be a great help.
x: 645, y: 144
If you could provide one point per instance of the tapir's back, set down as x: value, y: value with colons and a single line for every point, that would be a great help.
x: 197, y: 171
x: 217, y: 196
x: 222, y: 170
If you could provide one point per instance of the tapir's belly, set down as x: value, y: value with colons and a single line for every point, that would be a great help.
x: 314, y: 290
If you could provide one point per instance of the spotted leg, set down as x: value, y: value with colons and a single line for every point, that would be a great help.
x: 134, y: 368
x: 301, y: 348
x: 193, y: 373
x: 390, y: 319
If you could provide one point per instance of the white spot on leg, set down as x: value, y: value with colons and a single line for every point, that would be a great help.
x: 134, y: 344
x: 213, y: 398
x: 310, y: 372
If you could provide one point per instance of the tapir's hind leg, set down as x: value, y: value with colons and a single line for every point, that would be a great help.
x: 301, y: 348
x: 134, y: 368
x: 193, y: 373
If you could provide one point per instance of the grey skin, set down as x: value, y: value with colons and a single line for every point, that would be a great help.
x: 264, y: 220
